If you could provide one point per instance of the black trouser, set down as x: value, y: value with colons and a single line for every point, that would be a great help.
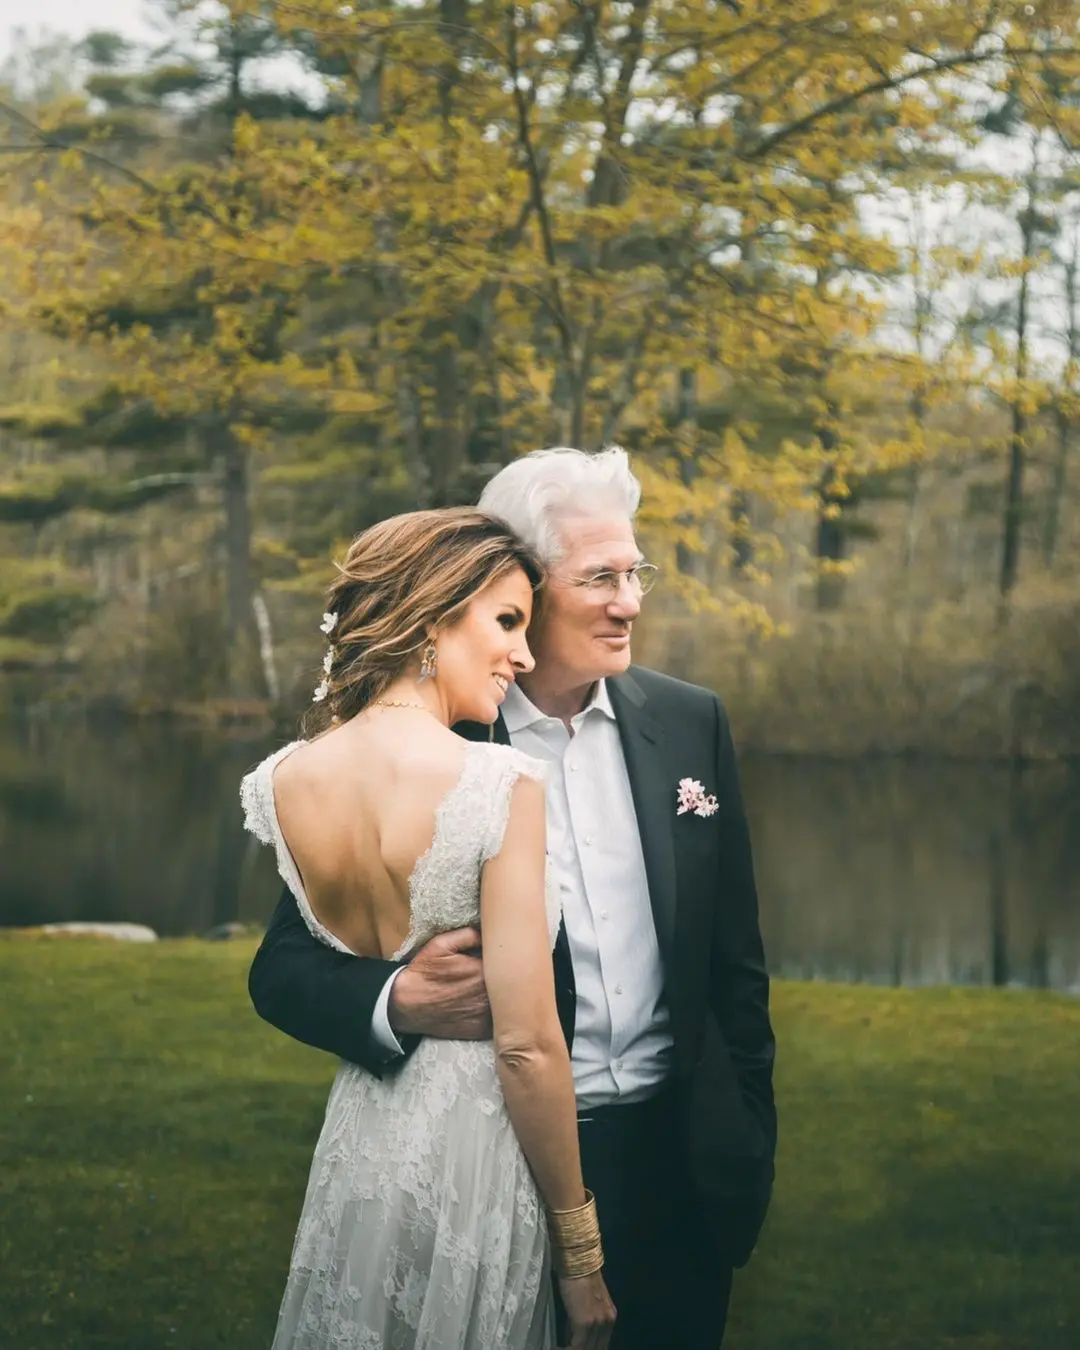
x: 661, y: 1268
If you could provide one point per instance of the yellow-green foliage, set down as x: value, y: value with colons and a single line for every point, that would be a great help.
x: 531, y: 224
x: 535, y: 224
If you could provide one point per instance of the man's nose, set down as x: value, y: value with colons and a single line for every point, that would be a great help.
x: 626, y: 602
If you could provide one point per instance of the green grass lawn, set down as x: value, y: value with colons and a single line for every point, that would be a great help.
x: 155, y: 1138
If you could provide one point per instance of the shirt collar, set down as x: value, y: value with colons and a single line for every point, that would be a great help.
x: 518, y: 712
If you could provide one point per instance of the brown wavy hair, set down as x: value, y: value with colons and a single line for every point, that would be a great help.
x: 399, y: 580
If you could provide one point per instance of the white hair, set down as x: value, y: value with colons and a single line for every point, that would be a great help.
x: 537, y: 492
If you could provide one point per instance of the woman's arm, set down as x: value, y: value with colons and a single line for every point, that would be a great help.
x: 534, y: 1064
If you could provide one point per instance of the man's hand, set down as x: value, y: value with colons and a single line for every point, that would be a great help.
x: 441, y: 991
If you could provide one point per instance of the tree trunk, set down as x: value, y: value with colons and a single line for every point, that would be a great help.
x: 454, y: 14
x: 235, y: 96
x: 830, y: 544
x: 1052, y: 523
x: 923, y: 318
x: 1014, y: 487
x: 242, y: 639
x: 369, y: 101
x: 686, y: 560
x: 1014, y: 505
x: 445, y: 443
x: 266, y: 647
x: 913, y: 519
x: 830, y: 549
x: 742, y: 545
x: 410, y: 417
x: 486, y: 298
x: 577, y: 410
x: 562, y: 406
x: 609, y: 184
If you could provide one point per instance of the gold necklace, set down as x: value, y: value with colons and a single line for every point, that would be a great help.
x: 395, y: 703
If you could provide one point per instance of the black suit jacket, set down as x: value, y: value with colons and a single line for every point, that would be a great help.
x: 704, y: 902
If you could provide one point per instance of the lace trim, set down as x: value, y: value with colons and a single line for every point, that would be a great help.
x: 470, y: 825
x: 260, y: 817
x: 516, y: 764
x: 470, y: 822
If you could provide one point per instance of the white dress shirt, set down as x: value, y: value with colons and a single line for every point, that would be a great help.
x: 622, y: 1041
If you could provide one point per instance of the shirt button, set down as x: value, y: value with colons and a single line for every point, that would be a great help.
x: 587, y: 840
x: 573, y: 768
x: 603, y: 913
x: 617, y: 1066
x: 618, y: 988
x: 564, y: 885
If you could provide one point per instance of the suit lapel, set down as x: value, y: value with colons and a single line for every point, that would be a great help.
x: 643, y: 747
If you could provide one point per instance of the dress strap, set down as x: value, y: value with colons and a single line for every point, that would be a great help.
x: 507, y: 766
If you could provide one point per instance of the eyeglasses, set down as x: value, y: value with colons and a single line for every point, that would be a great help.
x: 640, y: 578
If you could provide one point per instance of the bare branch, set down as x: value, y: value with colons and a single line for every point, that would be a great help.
x: 536, y: 184
x: 934, y: 66
x: 48, y: 141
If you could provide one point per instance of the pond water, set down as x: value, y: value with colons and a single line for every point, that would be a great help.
x: 884, y: 870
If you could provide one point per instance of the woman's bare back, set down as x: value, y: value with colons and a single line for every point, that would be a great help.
x: 357, y: 810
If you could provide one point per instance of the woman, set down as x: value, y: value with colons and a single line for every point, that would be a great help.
x: 423, y: 1227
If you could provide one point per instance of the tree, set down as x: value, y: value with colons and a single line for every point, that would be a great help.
x: 130, y: 227
x: 1066, y: 407
x: 1026, y: 119
x: 507, y: 225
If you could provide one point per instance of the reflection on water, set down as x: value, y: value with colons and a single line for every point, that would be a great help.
x: 877, y: 869
x: 927, y: 872
x: 139, y: 823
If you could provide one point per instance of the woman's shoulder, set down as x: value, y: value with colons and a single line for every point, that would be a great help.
x: 257, y: 792
x: 295, y: 764
x: 341, y: 756
x: 266, y: 769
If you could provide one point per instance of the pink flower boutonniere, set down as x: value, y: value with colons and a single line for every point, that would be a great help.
x: 693, y: 797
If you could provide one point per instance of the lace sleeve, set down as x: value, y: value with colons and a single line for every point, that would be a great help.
x: 507, y: 767
x: 257, y: 818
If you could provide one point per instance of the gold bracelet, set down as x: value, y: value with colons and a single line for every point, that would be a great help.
x: 578, y: 1227
x: 576, y: 1262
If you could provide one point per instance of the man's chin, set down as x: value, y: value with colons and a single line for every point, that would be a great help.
x: 617, y: 659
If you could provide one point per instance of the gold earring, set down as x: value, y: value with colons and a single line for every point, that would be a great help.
x: 429, y: 662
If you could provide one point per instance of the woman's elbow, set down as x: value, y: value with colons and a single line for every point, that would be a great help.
x: 527, y: 1055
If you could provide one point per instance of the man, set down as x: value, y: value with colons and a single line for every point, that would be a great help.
x: 659, y: 971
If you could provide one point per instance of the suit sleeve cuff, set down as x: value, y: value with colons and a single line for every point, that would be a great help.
x: 381, y: 1031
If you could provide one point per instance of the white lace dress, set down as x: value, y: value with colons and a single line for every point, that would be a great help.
x: 422, y: 1228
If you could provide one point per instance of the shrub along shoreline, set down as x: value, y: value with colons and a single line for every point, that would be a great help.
x: 157, y: 1137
